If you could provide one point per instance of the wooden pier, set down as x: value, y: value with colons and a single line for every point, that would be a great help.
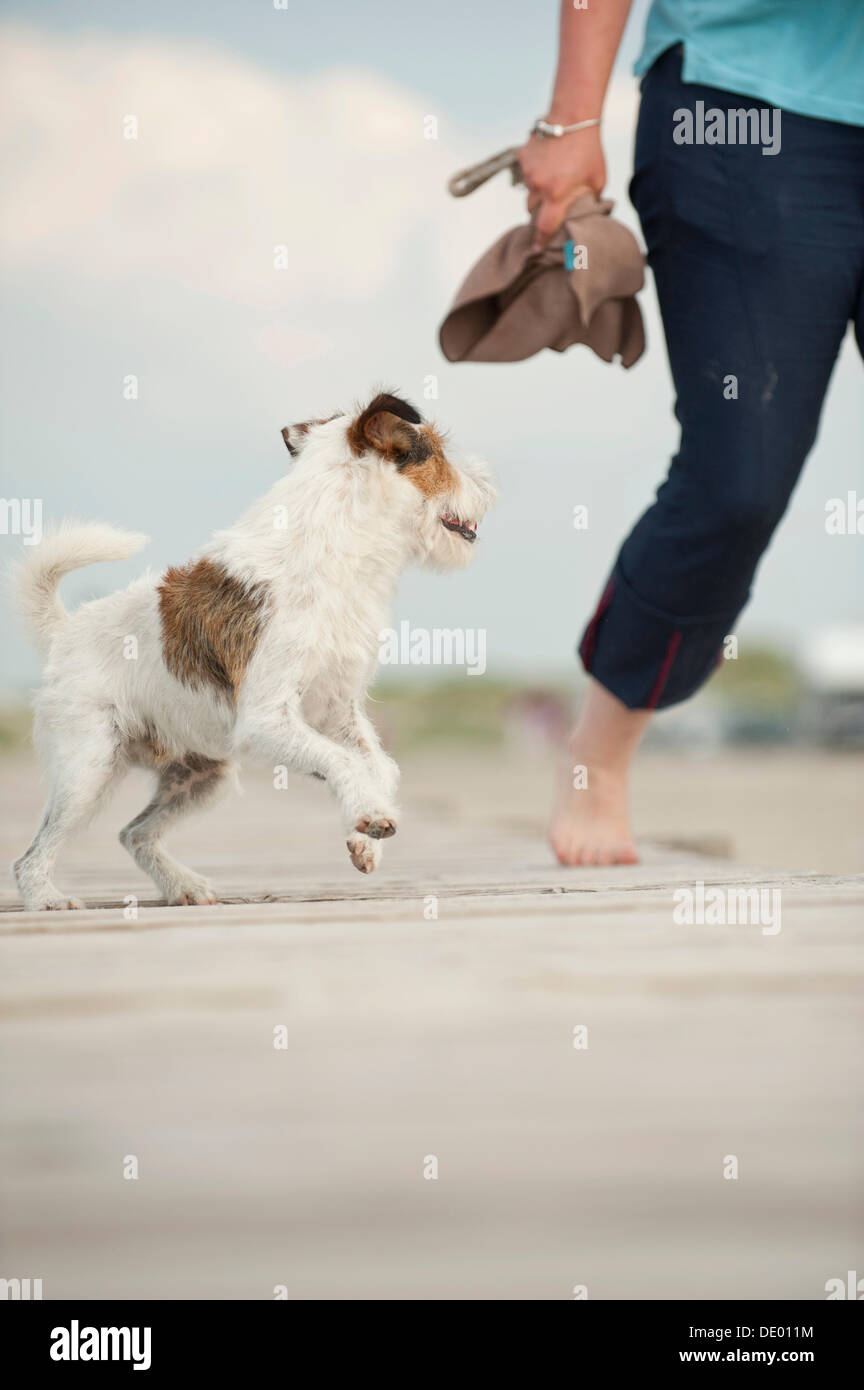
x: 287, y: 1071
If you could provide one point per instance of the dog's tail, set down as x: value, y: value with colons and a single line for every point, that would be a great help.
x: 71, y: 546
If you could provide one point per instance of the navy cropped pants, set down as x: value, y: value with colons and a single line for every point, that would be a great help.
x: 759, y: 266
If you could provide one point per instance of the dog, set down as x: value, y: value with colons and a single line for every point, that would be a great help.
x: 263, y: 645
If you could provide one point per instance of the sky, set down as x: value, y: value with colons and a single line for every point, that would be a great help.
x: 305, y: 128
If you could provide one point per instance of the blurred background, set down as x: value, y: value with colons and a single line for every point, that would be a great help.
x: 221, y: 218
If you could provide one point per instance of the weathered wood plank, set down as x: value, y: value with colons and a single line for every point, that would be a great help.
x: 407, y: 1036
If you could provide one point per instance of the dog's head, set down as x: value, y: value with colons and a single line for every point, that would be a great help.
x: 437, y: 501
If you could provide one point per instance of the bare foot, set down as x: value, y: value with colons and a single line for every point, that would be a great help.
x: 591, y: 823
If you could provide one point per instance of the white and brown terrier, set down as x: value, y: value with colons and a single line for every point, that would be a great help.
x: 263, y: 645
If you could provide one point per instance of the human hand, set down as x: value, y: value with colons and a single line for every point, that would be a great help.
x: 556, y: 171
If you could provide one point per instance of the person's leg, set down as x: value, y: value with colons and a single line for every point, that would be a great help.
x: 758, y: 261
x: 591, y: 824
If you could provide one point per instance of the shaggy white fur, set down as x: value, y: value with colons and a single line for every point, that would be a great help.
x: 326, y: 546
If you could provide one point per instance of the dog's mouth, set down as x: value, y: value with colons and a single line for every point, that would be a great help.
x: 466, y: 529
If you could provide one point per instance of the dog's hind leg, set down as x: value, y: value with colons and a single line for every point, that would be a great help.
x: 183, y: 787
x: 85, y: 758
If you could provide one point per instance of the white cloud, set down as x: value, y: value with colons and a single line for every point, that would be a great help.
x: 231, y: 162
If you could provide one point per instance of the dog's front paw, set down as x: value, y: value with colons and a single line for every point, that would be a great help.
x: 365, y: 853
x: 52, y: 902
x: 376, y: 825
x: 191, y: 892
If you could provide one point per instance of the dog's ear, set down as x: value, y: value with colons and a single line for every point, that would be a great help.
x: 290, y: 435
x: 295, y: 435
x: 387, y: 426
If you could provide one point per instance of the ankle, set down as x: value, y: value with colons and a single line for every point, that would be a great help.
x: 604, y: 761
x: 607, y: 733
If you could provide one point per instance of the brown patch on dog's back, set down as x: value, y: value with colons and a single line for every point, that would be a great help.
x: 211, y: 622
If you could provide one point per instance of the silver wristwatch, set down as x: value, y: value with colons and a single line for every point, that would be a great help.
x: 545, y: 129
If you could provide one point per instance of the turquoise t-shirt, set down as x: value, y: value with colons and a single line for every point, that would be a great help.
x: 805, y: 56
